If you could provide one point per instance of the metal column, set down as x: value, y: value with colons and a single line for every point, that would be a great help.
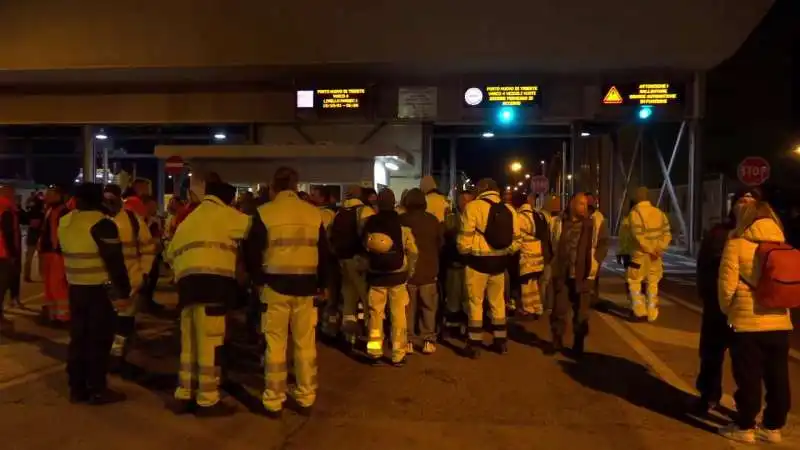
x: 563, y: 175
x: 695, y: 162
x: 160, y: 184
x: 88, y: 150
x: 452, y: 176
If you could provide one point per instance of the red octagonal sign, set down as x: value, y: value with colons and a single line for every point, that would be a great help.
x: 753, y: 171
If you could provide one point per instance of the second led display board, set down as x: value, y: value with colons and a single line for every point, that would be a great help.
x: 501, y: 95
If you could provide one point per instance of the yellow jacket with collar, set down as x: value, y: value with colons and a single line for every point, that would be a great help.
x: 471, y: 242
x: 650, y: 229
x: 437, y: 205
x: 736, y: 298
x: 207, y: 241
x: 531, y: 256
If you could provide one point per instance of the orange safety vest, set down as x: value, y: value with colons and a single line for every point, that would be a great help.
x: 7, y: 206
x: 50, y: 228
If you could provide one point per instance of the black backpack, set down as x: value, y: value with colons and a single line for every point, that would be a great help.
x: 344, y: 232
x: 542, y: 233
x: 387, y: 223
x: 499, y: 233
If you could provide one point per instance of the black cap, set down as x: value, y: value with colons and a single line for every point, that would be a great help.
x: 222, y: 191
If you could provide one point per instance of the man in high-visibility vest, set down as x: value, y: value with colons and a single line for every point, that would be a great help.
x: 51, y: 261
x: 203, y: 254
x: 98, y: 282
x: 436, y: 201
x: 140, y: 252
x: 287, y: 253
x: 10, y: 246
x: 652, y: 235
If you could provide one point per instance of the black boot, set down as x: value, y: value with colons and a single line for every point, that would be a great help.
x: 578, y: 346
x: 472, y: 350
x: 500, y: 346
x: 557, y: 346
x: 106, y: 397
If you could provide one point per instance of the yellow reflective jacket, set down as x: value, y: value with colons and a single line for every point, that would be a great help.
x: 437, y: 205
x: 531, y: 257
x: 207, y: 241
x: 650, y: 229
x: 293, y: 231
x: 327, y: 216
x: 473, y: 224
x: 82, y: 262
x: 364, y: 211
x: 139, y: 251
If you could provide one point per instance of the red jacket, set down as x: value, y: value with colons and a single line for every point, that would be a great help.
x: 135, y: 204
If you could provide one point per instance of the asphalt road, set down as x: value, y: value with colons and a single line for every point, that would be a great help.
x: 630, y: 392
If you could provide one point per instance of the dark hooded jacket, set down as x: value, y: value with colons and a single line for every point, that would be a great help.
x: 428, y: 234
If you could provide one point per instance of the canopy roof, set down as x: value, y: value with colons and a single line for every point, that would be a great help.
x: 441, y: 36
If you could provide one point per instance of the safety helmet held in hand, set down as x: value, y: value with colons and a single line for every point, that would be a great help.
x: 379, y: 243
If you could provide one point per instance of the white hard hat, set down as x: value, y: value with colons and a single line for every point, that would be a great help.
x: 379, y: 243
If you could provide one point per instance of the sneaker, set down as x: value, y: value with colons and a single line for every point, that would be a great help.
x: 429, y: 348
x: 652, y: 314
x: 734, y: 433
x: 400, y: 362
x: 410, y: 348
x: 771, y: 436
x: 500, y: 347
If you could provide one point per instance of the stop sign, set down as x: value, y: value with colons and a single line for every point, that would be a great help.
x: 753, y: 171
x: 174, y: 165
x: 540, y: 184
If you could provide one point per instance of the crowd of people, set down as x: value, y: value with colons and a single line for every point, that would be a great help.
x: 311, y: 265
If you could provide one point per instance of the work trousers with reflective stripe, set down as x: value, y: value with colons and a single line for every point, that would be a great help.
x: 422, y: 304
x: 202, y: 337
x: 479, y: 286
x: 650, y: 271
x: 126, y: 327
x: 56, y: 290
x: 531, y: 297
x: 457, y: 299
x: 354, y: 288
x: 397, y: 298
x: 298, y: 314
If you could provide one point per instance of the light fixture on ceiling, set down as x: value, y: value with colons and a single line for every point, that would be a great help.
x: 488, y: 134
x: 220, y: 136
x: 101, y: 135
x: 391, y: 166
x: 585, y: 134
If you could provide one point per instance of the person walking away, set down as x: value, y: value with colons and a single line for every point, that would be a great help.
x: 438, y: 205
x: 531, y: 256
x: 489, y: 235
x: 392, y: 254
x: 601, y: 237
x: 457, y: 301
x: 652, y: 236
x: 428, y: 235
x: 574, y: 269
x: 35, y: 215
x: 203, y: 253
x: 758, y: 281
x: 98, y: 283
x: 287, y: 254
x: 51, y: 261
x: 10, y: 247
x: 140, y: 251
x: 345, y: 236
x: 715, y: 334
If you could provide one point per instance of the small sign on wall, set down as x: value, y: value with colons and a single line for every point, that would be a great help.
x: 417, y: 103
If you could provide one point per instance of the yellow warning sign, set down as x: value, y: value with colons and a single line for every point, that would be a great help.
x: 613, y: 97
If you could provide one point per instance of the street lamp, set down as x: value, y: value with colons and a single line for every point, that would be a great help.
x: 519, y: 184
x: 527, y: 176
x: 796, y: 150
x: 569, y: 176
x: 516, y: 166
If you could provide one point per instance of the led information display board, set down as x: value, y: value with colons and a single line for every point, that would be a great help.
x: 331, y: 99
x: 502, y: 95
x: 643, y: 94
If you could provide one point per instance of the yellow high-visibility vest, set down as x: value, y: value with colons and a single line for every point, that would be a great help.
x: 292, y: 235
x: 82, y: 261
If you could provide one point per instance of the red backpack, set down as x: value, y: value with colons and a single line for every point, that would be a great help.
x: 779, y: 283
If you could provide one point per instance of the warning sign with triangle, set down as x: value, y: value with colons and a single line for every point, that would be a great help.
x: 613, y: 97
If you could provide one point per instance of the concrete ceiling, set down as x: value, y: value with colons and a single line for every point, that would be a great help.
x: 435, y: 37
